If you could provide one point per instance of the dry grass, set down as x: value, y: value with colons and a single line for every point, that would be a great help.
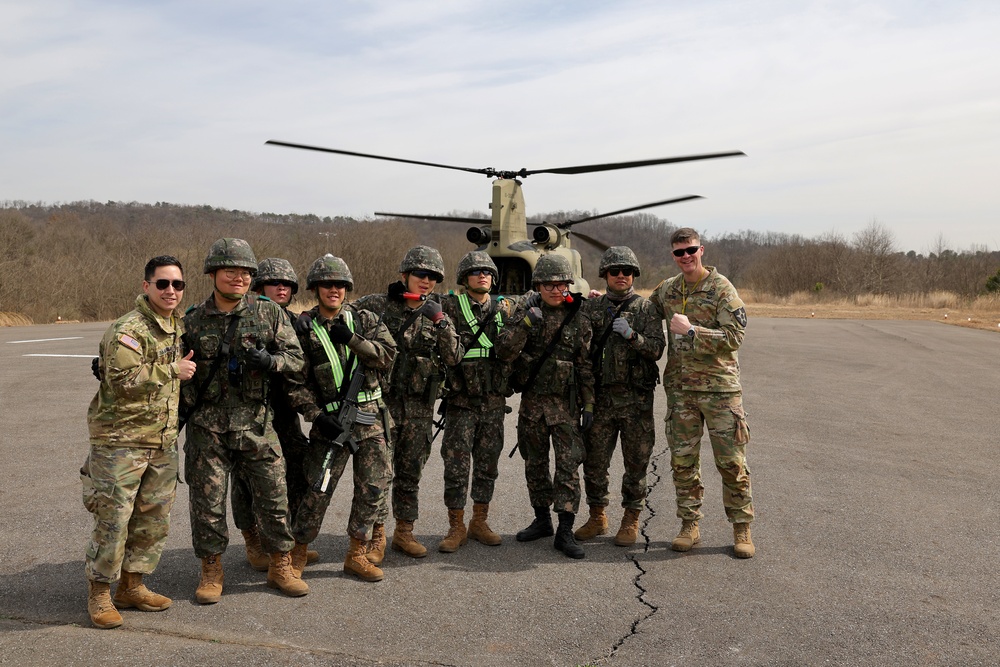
x: 14, y: 320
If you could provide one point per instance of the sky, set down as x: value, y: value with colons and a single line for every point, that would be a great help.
x: 849, y: 112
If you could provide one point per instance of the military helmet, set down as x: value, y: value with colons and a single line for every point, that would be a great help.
x: 274, y: 268
x: 230, y: 254
x: 477, y: 260
x: 619, y: 256
x: 329, y: 267
x: 552, y: 268
x: 425, y: 258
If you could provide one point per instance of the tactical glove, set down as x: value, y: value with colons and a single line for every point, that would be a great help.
x: 395, y: 291
x: 534, y: 300
x: 432, y: 311
x: 95, y: 368
x: 341, y: 333
x: 587, y: 419
x: 533, y: 316
x: 329, y: 425
x: 621, y: 327
x: 303, y: 324
x: 260, y: 359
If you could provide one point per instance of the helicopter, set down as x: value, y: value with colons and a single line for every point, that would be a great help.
x: 505, y: 237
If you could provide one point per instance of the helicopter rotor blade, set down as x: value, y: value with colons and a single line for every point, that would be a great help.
x: 375, y: 157
x: 591, y: 241
x: 440, y: 218
x: 569, y: 223
x: 586, y: 169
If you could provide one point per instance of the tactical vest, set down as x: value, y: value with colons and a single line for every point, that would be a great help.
x: 557, y: 375
x: 330, y: 375
x: 619, y: 362
x: 417, y: 372
x: 480, y: 372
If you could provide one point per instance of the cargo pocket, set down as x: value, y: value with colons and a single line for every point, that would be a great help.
x: 742, y: 432
x: 89, y: 492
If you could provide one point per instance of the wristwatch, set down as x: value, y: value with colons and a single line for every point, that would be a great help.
x: 690, y: 332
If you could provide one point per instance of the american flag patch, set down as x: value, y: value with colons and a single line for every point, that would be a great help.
x: 128, y: 341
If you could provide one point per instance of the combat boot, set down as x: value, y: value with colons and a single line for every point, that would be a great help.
x: 402, y: 540
x: 357, y: 563
x: 457, y: 534
x: 687, y: 537
x: 479, y: 530
x: 100, y: 607
x: 629, y: 531
x: 132, y: 593
x: 300, y: 556
x: 209, y: 589
x: 596, y: 525
x: 312, y: 556
x: 280, y: 575
x: 375, y: 552
x: 565, y: 540
x: 255, y: 554
x: 742, y: 544
x: 539, y: 528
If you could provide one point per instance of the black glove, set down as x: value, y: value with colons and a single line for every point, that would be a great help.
x: 95, y: 368
x: 533, y: 316
x: 533, y: 301
x: 396, y: 291
x: 260, y: 359
x: 432, y: 311
x: 341, y: 333
x: 303, y: 324
x: 328, y: 425
x: 587, y: 419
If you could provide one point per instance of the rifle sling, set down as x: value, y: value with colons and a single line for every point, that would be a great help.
x: 227, y: 340
x: 596, y: 354
x: 549, y: 349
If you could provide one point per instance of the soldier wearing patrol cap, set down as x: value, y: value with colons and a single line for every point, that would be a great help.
x: 628, y: 341
x: 476, y: 402
x: 130, y: 476
x: 707, y: 321
x: 548, y: 343
x: 239, y: 341
x: 341, y: 340
x: 426, y: 343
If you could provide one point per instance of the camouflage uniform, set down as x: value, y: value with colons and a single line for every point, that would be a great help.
x: 625, y: 376
x: 374, y: 349
x: 702, y: 382
x: 233, y: 426
x: 130, y: 477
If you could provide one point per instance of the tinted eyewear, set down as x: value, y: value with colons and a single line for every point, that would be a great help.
x: 480, y: 272
x: 426, y: 275
x: 690, y: 250
x: 163, y: 284
x: 621, y: 272
x: 279, y: 283
x: 331, y: 284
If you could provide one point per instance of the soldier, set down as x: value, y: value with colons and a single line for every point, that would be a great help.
x: 277, y: 281
x: 342, y: 340
x: 550, y: 349
x: 240, y: 340
x: 476, y: 403
x: 130, y: 476
x: 426, y: 343
x: 628, y: 341
x: 702, y: 381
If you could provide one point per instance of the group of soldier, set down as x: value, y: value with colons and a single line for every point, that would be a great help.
x: 239, y: 369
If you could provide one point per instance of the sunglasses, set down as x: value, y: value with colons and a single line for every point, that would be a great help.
x: 330, y: 284
x: 163, y: 284
x: 620, y: 272
x: 426, y: 275
x: 690, y: 250
x: 279, y: 283
x: 480, y: 272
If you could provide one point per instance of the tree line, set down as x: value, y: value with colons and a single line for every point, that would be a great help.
x: 83, y: 260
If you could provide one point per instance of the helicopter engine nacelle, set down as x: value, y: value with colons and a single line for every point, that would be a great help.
x: 479, y: 236
x: 547, y: 236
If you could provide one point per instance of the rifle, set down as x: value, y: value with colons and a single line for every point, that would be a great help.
x: 347, y: 416
x: 442, y: 416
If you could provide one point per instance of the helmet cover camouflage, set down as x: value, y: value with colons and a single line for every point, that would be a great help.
x: 230, y: 253
x: 552, y: 268
x: 477, y: 260
x: 329, y: 267
x: 425, y: 258
x: 274, y: 268
x: 620, y: 256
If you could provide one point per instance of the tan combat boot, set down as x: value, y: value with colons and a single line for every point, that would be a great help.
x: 629, y: 531
x: 300, y: 556
x: 312, y: 556
x: 357, y: 563
x: 479, y: 530
x: 687, y: 537
x: 742, y: 544
x: 280, y: 575
x: 102, y: 611
x: 402, y: 540
x: 457, y: 534
x: 132, y: 593
x: 255, y: 554
x: 596, y: 525
x: 375, y: 549
x: 209, y: 589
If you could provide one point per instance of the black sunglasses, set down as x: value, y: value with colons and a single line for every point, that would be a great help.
x: 426, y: 275
x: 690, y: 250
x: 330, y: 284
x: 279, y: 283
x: 480, y: 272
x: 163, y: 284
x: 621, y: 272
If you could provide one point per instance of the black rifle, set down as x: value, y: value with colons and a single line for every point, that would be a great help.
x: 442, y: 416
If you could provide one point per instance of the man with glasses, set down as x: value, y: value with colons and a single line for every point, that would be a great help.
x: 426, y: 343
x: 706, y: 321
x: 627, y: 342
x: 239, y: 340
x: 130, y: 476
x: 548, y: 343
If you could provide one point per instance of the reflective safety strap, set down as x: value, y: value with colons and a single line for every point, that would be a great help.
x: 336, y: 367
x: 485, y: 344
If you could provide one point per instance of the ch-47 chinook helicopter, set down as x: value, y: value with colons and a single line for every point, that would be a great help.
x: 505, y: 238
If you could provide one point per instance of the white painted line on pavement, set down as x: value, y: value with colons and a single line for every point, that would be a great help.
x: 81, y: 356
x: 42, y: 340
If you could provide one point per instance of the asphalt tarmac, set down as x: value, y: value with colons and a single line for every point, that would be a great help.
x: 873, y: 456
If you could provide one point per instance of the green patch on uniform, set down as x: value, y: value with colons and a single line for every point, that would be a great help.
x: 738, y: 309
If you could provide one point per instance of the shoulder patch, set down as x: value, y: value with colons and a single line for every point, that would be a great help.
x: 129, y: 342
x: 739, y: 311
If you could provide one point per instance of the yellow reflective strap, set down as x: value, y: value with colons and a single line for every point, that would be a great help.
x: 331, y: 352
x: 485, y: 344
